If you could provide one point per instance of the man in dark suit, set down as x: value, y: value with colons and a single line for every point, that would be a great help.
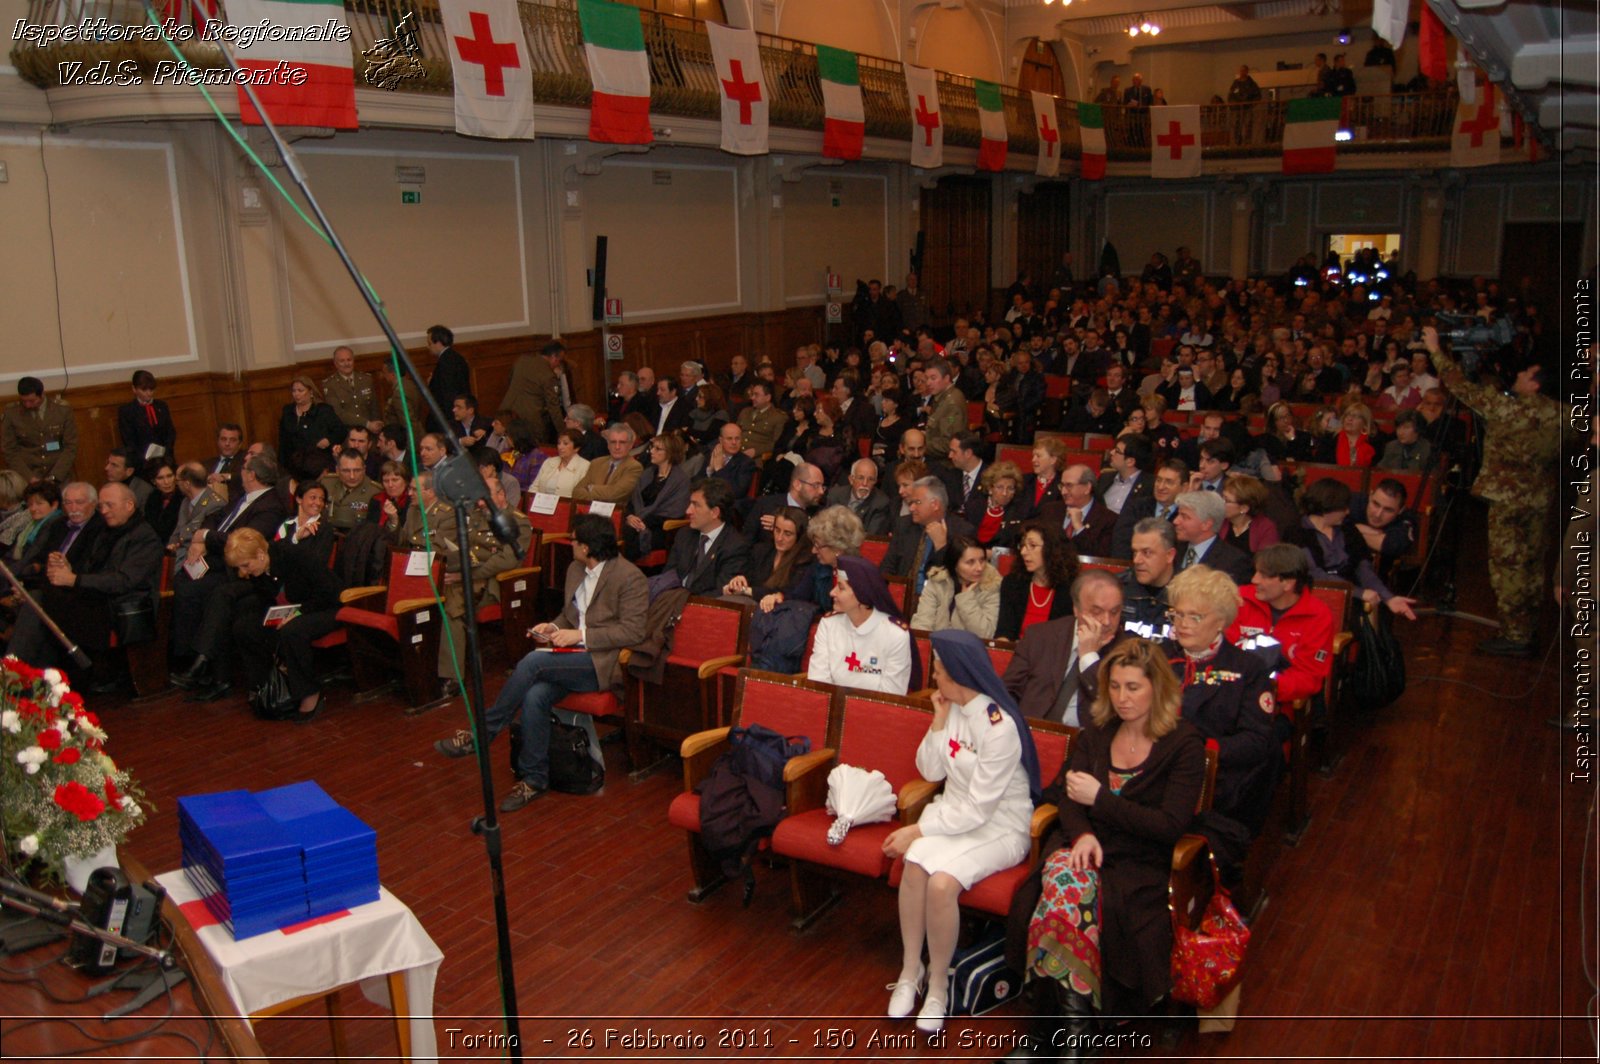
x: 1128, y: 479
x: 223, y: 469
x: 1095, y: 415
x: 1199, y: 517
x: 806, y: 489
x: 858, y: 416
x: 862, y: 497
x: 123, y: 561
x: 1170, y: 477
x: 1138, y: 94
x: 260, y: 507
x: 466, y: 424
x: 146, y: 423
x: 1123, y: 397
x: 451, y: 375
x: 714, y: 552
x: 73, y: 537
x: 1052, y: 653
x: 672, y: 409
x: 607, y: 608
x: 727, y: 461
x: 963, y: 478
x: 915, y: 545
x: 1085, y: 522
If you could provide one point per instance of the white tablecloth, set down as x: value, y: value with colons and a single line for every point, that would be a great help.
x: 364, y: 945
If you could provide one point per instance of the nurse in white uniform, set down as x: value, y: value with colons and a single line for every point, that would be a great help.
x: 863, y: 643
x: 981, y: 747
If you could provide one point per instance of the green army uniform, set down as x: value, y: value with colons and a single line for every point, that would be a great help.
x: 534, y: 395
x: 1522, y: 444
x: 393, y: 415
x: 353, y: 398
x: 347, y: 507
x: 762, y: 428
x: 40, y: 443
x: 948, y: 417
x: 489, y: 558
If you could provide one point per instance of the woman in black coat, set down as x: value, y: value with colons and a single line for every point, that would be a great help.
x: 161, y: 508
x: 307, y: 424
x: 1039, y: 587
x: 1127, y: 794
x: 288, y: 572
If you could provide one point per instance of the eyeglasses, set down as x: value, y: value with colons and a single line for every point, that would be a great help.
x: 1193, y: 619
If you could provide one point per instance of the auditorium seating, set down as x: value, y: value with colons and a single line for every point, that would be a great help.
x: 400, y: 620
x: 711, y: 634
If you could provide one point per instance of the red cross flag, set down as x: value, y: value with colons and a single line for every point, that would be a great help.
x: 744, y: 98
x: 1475, y: 140
x: 927, y: 130
x: 1047, y: 124
x: 489, y: 61
x: 1174, y: 140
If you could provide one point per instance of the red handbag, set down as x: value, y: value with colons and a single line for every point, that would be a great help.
x: 1207, y: 961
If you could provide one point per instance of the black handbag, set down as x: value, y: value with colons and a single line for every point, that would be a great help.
x: 1379, y: 674
x: 272, y: 700
x: 134, y: 620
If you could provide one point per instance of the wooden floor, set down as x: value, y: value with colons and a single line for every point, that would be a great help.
x: 1432, y: 910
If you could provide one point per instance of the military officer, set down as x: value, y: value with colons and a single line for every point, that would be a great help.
x: 1522, y: 444
x: 761, y: 422
x: 39, y: 437
x: 350, y: 492
x: 534, y: 393
x: 351, y: 392
x: 948, y: 411
x: 393, y: 414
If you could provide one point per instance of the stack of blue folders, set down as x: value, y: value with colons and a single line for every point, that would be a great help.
x: 264, y: 861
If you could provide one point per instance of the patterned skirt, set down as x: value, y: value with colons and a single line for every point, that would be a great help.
x: 1064, y: 934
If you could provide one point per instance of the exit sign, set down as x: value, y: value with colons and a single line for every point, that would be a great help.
x: 410, y: 196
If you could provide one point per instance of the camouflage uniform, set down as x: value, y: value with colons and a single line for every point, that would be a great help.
x: 946, y: 417
x: 40, y: 443
x: 1522, y: 444
x: 353, y: 398
x: 489, y: 558
x: 347, y: 507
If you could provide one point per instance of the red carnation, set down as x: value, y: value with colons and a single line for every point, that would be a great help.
x: 28, y: 708
x: 90, y: 717
x: 75, y: 700
x: 50, y: 739
x: 69, y: 756
x: 80, y: 801
x: 113, y: 799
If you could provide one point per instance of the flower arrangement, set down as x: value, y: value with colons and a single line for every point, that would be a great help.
x: 61, y: 796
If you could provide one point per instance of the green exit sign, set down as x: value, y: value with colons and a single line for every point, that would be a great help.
x: 410, y: 196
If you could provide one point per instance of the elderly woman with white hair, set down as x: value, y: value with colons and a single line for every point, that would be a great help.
x: 1227, y: 693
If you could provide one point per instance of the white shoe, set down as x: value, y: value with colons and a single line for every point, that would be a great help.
x: 903, y: 1000
x: 931, y: 1019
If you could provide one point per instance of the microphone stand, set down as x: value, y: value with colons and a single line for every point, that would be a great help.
x: 456, y: 478
x: 79, y: 658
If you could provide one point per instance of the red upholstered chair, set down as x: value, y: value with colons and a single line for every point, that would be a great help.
x: 1420, y: 491
x: 1005, y: 561
x: 864, y: 446
x: 789, y: 706
x: 811, y: 642
x: 1070, y: 440
x: 975, y: 414
x: 1189, y: 886
x: 875, y: 548
x: 1021, y: 457
x: 900, y: 592
x: 1001, y: 651
x: 1099, y: 441
x: 518, y: 607
x: 549, y: 529
x: 147, y: 662
x: 401, y: 620
x: 1311, y: 472
x: 711, y: 635
x: 876, y: 731
x: 656, y: 559
x: 993, y: 894
x: 1110, y: 565
x: 1057, y: 390
x: 1162, y: 348
x: 1092, y: 459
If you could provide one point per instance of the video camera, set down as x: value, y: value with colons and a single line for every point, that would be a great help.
x: 1471, y: 339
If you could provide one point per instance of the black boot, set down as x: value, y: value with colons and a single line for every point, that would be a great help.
x: 1073, y: 1042
x: 198, y: 674
x: 1038, y: 1045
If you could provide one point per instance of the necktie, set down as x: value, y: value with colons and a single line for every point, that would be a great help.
x: 72, y: 534
x: 700, y: 558
x: 612, y: 471
x: 233, y: 515
x: 150, y: 411
x: 966, y: 486
x: 1069, y: 688
x: 1163, y: 511
x: 1189, y: 557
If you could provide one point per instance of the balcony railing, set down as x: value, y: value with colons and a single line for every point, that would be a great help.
x: 684, y: 82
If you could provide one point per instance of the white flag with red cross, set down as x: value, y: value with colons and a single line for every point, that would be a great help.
x: 1475, y: 138
x: 489, y: 62
x: 1174, y: 140
x: 1047, y: 125
x: 927, y: 128
x: 744, y: 96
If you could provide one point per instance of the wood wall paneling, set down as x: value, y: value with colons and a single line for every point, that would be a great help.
x: 955, y: 263
x: 1044, y: 231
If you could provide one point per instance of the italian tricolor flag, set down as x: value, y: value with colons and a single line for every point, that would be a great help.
x: 328, y: 95
x: 992, y: 124
x: 1309, y: 126
x: 1092, y: 139
x: 613, y: 42
x: 846, y: 122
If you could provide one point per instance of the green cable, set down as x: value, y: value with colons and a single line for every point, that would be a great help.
x: 394, y: 356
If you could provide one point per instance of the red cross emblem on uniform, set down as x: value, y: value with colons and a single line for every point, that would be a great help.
x: 853, y: 662
x: 954, y: 747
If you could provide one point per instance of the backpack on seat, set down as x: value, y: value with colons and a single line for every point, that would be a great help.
x: 743, y: 797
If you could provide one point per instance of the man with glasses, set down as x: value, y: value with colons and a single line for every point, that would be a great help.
x: 862, y: 497
x: 612, y: 478
x: 1166, y: 482
x: 918, y: 544
x: 1126, y: 480
x: 806, y: 489
x: 1053, y: 673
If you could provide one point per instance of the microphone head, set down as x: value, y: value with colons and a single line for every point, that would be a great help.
x: 504, y: 527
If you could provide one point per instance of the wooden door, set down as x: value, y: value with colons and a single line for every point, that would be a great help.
x: 955, y: 256
x: 1044, y: 231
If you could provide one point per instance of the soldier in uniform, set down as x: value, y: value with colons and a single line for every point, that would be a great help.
x: 39, y: 437
x: 761, y: 422
x: 1522, y: 443
x: 350, y: 492
x: 534, y: 394
x: 948, y: 412
x: 393, y: 414
x: 351, y: 392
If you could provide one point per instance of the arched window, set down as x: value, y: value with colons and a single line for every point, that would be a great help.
x: 1040, y: 70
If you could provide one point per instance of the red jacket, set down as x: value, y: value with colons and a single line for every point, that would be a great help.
x: 1362, y: 459
x: 1306, y: 633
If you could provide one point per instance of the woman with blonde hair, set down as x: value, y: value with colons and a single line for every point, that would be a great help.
x: 307, y: 429
x: 1353, y: 447
x: 1093, y: 926
x: 1043, y: 485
